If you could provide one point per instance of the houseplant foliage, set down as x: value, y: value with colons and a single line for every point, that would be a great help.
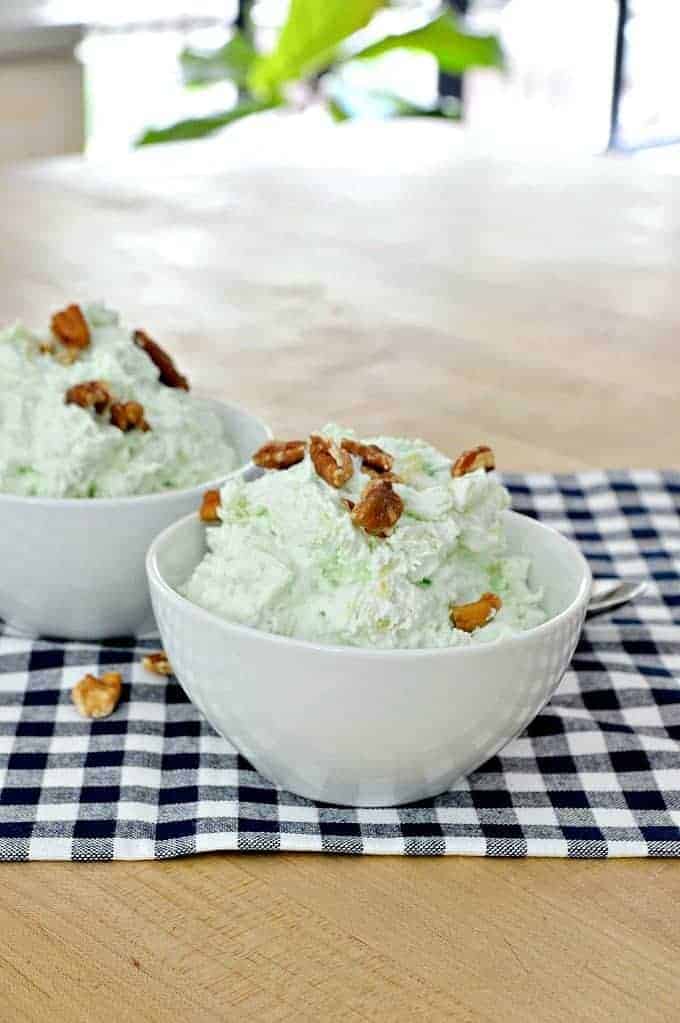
x: 318, y: 40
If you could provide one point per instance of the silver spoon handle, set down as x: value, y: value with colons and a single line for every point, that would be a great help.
x: 609, y: 593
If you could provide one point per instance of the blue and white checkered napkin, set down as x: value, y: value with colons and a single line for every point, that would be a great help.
x: 596, y: 774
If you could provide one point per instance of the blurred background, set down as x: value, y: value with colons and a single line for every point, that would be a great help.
x: 552, y: 76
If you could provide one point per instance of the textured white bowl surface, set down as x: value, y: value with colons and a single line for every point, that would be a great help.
x: 74, y: 567
x: 368, y: 727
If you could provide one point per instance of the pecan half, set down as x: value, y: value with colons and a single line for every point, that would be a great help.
x: 371, y: 455
x: 378, y: 509
x: 98, y: 697
x: 481, y: 457
x: 168, y: 373
x: 331, y: 463
x: 70, y: 326
x: 209, y: 505
x: 90, y: 394
x: 469, y: 617
x: 157, y: 664
x: 280, y: 454
x: 129, y: 415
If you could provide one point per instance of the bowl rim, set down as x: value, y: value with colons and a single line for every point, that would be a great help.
x: 186, y: 606
x: 157, y: 496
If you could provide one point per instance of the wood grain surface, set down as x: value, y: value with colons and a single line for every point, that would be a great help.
x: 392, y: 280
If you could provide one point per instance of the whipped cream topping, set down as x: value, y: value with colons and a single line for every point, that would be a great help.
x: 287, y: 558
x: 52, y: 449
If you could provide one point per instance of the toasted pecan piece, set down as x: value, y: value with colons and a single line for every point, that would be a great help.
x: 390, y: 477
x: 66, y: 356
x: 481, y: 457
x: 469, y: 617
x: 70, y: 326
x: 372, y: 457
x: 157, y: 664
x: 168, y: 373
x: 90, y: 394
x: 280, y: 454
x: 378, y: 509
x: 98, y: 697
x: 129, y: 415
x: 47, y: 348
x: 209, y: 505
x: 331, y: 463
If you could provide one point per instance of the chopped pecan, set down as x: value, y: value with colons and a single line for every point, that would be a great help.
x: 47, y: 348
x: 332, y: 463
x: 469, y: 617
x: 98, y: 697
x: 372, y: 457
x: 378, y: 509
x: 481, y: 457
x: 209, y: 505
x: 129, y: 415
x: 157, y: 664
x: 66, y: 356
x: 90, y: 394
x: 390, y: 477
x: 70, y: 326
x: 167, y: 370
x: 280, y: 454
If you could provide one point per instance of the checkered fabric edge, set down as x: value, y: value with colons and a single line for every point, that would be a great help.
x: 597, y: 773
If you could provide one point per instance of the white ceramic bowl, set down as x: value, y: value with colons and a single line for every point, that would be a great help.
x: 74, y: 567
x: 367, y: 727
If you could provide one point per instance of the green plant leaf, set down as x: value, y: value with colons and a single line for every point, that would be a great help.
x: 231, y: 61
x: 338, y: 111
x: 443, y: 111
x: 199, y: 127
x: 308, y: 39
x: 454, y: 50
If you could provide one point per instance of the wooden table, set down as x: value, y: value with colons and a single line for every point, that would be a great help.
x: 390, y: 280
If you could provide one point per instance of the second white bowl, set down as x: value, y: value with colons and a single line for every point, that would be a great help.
x: 74, y: 567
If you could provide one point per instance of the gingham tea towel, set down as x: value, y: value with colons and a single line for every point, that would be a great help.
x: 596, y: 774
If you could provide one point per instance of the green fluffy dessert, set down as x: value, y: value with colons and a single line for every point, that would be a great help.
x: 292, y: 555
x: 51, y: 446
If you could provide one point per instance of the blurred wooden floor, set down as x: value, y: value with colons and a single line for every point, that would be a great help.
x: 388, y: 280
